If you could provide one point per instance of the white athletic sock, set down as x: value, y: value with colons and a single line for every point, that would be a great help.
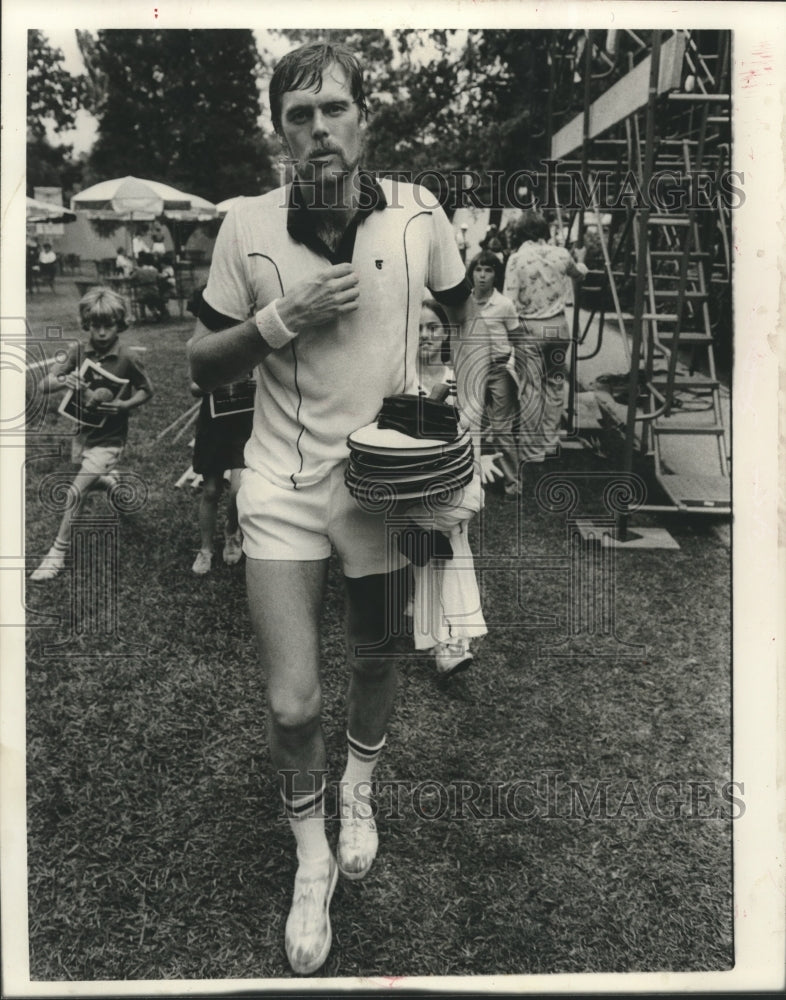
x: 59, y: 547
x: 306, y: 817
x: 361, y: 761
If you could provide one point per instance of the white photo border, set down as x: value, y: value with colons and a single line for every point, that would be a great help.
x: 759, y: 566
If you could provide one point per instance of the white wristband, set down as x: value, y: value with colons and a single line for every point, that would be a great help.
x: 271, y: 327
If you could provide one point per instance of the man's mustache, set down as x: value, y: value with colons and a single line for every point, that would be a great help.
x: 324, y: 151
x: 313, y: 154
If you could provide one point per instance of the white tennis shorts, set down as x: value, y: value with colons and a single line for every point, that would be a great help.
x: 302, y: 524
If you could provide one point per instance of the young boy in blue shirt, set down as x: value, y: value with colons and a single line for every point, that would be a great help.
x: 97, y: 449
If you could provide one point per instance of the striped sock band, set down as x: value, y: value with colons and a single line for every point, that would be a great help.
x: 363, y: 752
x: 298, y: 806
x: 361, y: 761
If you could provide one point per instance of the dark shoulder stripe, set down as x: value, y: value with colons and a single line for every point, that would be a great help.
x: 213, y: 319
x: 455, y: 296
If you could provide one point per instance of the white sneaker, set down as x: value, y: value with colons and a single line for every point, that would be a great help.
x: 233, y: 549
x: 453, y: 657
x: 52, y: 564
x: 203, y: 563
x: 308, y: 934
x: 358, y: 840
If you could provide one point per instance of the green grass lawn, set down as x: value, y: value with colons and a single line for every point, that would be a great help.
x: 156, y: 848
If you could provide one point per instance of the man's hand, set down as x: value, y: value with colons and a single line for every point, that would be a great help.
x: 320, y: 299
x: 489, y: 470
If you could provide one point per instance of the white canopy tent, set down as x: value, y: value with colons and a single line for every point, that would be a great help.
x: 133, y: 199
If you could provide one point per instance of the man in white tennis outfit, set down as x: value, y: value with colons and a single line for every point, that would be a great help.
x: 318, y: 285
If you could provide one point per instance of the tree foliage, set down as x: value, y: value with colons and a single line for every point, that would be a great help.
x: 478, y: 100
x: 178, y: 106
x: 53, y: 98
x: 53, y: 166
x: 53, y: 94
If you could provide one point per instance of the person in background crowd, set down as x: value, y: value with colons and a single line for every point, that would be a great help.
x: 158, y: 248
x: 97, y: 449
x: 434, y: 368
x: 537, y: 281
x: 148, y: 288
x: 309, y: 284
x: 499, y: 322
x: 139, y: 245
x: 218, y: 448
x: 32, y: 267
x: 123, y: 264
x: 47, y: 264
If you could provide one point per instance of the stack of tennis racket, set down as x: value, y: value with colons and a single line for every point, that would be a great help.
x: 415, y: 450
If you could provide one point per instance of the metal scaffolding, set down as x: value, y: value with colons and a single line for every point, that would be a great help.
x: 650, y: 155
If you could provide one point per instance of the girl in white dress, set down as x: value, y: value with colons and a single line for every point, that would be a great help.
x: 447, y: 612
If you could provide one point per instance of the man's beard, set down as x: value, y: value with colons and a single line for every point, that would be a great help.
x: 307, y: 169
x: 327, y: 184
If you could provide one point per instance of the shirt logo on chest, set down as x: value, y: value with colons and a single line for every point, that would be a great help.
x: 379, y: 264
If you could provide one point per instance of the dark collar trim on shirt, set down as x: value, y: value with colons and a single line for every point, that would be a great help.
x: 301, y: 221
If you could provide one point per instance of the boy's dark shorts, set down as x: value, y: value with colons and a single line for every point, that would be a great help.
x: 220, y: 441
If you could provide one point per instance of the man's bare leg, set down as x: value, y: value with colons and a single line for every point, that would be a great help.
x: 372, y: 690
x: 285, y: 600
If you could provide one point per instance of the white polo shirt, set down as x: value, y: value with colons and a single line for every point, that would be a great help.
x: 331, y: 380
x: 500, y: 317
